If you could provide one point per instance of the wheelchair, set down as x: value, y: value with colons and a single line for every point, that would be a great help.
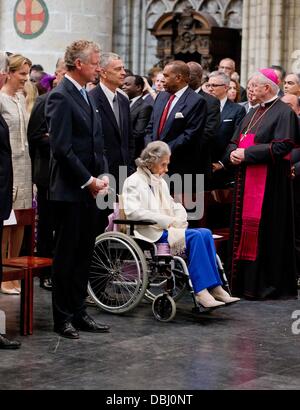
x: 126, y: 269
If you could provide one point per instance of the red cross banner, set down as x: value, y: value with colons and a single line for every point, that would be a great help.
x: 30, y: 18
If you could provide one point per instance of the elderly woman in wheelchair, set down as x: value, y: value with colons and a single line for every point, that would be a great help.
x: 146, y: 196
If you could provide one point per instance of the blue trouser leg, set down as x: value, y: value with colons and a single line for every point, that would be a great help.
x: 201, y: 253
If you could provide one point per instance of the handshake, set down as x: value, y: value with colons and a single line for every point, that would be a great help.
x: 99, y: 186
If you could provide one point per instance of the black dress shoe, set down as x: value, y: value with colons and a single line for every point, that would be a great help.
x: 66, y: 330
x: 9, y: 344
x: 46, y: 283
x: 87, y: 324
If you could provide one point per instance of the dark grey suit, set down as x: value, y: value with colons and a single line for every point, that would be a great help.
x: 140, y: 113
x: 212, y: 124
x: 119, y: 142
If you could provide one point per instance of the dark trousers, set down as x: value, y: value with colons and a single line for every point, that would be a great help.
x: 1, y: 230
x: 296, y: 183
x: 45, y: 229
x: 74, y: 243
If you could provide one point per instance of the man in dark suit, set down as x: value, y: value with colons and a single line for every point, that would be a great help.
x: 76, y: 143
x: 231, y: 116
x: 114, y: 110
x: 140, y: 111
x: 39, y: 148
x: 6, y: 185
x: 178, y: 118
x: 212, y: 123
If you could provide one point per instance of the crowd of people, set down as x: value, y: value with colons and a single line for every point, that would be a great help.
x: 62, y: 134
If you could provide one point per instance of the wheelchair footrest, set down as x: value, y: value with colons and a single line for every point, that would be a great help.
x: 201, y: 309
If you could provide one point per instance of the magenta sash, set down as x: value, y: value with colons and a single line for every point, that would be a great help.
x: 254, y: 191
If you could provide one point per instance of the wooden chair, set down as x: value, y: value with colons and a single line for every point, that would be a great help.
x: 32, y: 265
x: 20, y: 274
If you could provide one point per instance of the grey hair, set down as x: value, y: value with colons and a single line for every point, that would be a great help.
x: 262, y: 79
x: 297, y: 75
x: 152, y: 154
x: 224, y: 77
x: 107, y: 57
x: 3, y: 62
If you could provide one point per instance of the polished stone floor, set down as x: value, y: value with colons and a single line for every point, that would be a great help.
x: 249, y: 345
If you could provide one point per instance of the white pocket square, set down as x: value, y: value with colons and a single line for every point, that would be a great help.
x: 229, y: 120
x: 179, y: 115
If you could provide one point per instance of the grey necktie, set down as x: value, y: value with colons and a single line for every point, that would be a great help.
x: 84, y: 94
x: 116, y: 109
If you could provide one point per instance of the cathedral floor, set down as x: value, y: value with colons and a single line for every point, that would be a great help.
x: 249, y: 345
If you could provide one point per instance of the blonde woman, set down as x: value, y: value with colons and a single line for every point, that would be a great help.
x: 31, y: 94
x: 13, y: 110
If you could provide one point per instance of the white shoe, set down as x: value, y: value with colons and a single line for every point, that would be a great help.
x: 220, y: 294
x: 205, y: 299
x: 10, y: 291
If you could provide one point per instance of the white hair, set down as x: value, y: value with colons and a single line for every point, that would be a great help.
x: 262, y: 79
x: 153, y: 154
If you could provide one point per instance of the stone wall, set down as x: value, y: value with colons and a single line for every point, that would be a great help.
x: 69, y: 20
x: 271, y: 35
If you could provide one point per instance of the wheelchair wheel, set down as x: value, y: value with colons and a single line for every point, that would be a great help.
x: 118, y: 275
x: 164, y: 308
x: 158, y: 284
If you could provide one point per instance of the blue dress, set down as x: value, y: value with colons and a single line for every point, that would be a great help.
x: 201, y: 255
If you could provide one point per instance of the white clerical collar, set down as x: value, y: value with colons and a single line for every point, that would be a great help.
x: 222, y: 103
x: 74, y: 82
x: 269, y: 101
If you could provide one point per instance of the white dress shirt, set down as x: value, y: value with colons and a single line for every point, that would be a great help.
x: 222, y: 103
x: 108, y: 94
x: 177, y: 96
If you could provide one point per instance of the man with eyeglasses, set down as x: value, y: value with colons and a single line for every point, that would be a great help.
x: 227, y: 66
x: 231, y: 116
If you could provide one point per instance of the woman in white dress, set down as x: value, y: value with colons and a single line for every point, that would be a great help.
x: 13, y: 110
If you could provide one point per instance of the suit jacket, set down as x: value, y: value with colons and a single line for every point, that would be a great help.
x: 183, y: 130
x: 76, y: 142
x: 140, y: 203
x: 149, y: 100
x: 39, y: 145
x: 6, y: 172
x: 119, y: 143
x: 212, y: 124
x: 231, y: 116
x: 140, y: 113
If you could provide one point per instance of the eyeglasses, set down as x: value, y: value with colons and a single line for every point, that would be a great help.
x: 215, y: 85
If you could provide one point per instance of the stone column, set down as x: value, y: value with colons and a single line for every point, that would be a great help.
x: 69, y: 20
x: 271, y: 34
